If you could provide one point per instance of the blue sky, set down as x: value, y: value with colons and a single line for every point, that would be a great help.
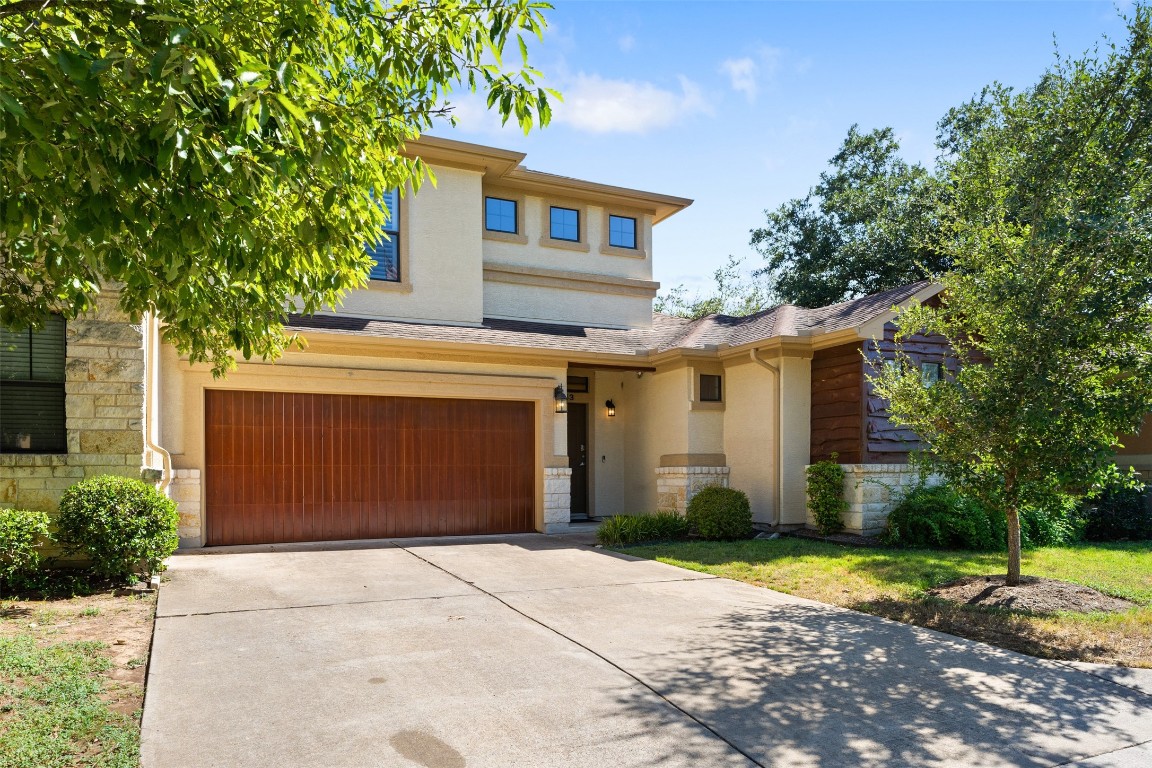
x: 739, y: 105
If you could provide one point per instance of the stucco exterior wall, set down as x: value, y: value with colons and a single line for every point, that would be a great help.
x: 749, y: 435
x: 558, y: 305
x: 105, y: 413
x: 796, y: 437
x: 441, y: 272
x: 182, y: 415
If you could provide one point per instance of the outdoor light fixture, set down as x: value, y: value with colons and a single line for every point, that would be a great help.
x: 561, y: 399
x: 611, y: 406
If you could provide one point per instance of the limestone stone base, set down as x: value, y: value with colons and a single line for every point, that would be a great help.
x: 557, y: 499
x: 184, y: 489
x: 675, y: 486
x: 872, y: 490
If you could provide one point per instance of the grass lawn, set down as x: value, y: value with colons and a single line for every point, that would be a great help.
x: 892, y: 583
x: 72, y: 680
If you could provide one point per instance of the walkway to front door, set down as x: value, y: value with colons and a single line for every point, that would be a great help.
x: 533, y: 651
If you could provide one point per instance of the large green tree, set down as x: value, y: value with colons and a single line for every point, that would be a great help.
x: 733, y: 292
x: 218, y: 160
x: 865, y: 227
x: 1049, y: 227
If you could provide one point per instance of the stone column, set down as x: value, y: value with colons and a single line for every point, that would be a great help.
x: 675, y: 486
x: 184, y: 489
x: 557, y: 499
x: 872, y: 490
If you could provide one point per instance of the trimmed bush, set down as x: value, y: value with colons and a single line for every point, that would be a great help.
x: 826, y: 495
x: 1117, y: 514
x: 22, y: 533
x: 624, y: 530
x: 720, y: 514
x: 124, y: 526
x: 939, y: 517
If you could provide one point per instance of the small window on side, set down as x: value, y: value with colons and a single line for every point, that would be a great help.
x: 32, y: 410
x: 500, y: 215
x: 564, y: 224
x: 622, y: 232
x: 385, y: 251
x: 930, y: 373
x: 578, y: 384
x: 710, y: 390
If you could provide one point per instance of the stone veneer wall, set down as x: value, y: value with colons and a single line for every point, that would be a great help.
x: 871, y: 491
x: 184, y: 489
x: 557, y: 499
x: 104, y: 398
x: 675, y: 486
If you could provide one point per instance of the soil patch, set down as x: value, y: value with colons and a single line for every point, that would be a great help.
x: 1033, y: 594
x: 851, y: 539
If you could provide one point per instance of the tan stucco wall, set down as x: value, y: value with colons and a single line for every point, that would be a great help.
x: 182, y: 412
x: 441, y: 234
x: 749, y: 435
x: 531, y: 302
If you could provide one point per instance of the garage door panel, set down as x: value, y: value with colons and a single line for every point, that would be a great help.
x: 305, y: 467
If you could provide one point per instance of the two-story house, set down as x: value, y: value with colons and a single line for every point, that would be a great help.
x: 503, y: 371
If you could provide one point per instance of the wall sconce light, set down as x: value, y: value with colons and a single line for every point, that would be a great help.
x: 561, y: 399
x: 611, y: 406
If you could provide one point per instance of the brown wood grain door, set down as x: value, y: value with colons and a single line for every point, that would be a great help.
x: 284, y: 466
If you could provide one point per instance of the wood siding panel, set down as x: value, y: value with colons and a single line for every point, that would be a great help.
x: 837, y: 403
x: 301, y: 467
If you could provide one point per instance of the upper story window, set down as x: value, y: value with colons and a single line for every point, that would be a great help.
x: 564, y: 224
x: 710, y: 391
x: 386, y: 250
x: 32, y: 417
x: 500, y: 215
x: 622, y: 231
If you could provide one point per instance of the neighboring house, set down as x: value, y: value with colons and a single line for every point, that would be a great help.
x: 502, y: 372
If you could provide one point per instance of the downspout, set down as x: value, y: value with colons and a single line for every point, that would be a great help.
x: 152, y: 385
x: 777, y: 468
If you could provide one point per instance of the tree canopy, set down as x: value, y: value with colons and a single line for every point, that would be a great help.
x: 218, y: 162
x: 733, y: 292
x: 865, y: 227
x: 1048, y: 226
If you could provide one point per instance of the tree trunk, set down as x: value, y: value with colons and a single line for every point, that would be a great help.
x: 1013, y: 547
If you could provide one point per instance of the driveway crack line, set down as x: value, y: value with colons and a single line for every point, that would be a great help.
x: 1117, y: 683
x: 1109, y: 752
x: 592, y: 586
x: 600, y: 656
x: 313, y: 605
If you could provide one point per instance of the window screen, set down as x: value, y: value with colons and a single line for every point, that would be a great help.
x: 621, y: 231
x: 565, y: 224
x: 499, y: 215
x: 386, y: 250
x: 709, y: 388
x: 32, y: 418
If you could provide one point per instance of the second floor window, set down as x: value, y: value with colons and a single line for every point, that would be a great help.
x: 564, y: 224
x: 710, y: 391
x: 386, y: 250
x: 622, y: 231
x: 32, y: 417
x: 499, y: 215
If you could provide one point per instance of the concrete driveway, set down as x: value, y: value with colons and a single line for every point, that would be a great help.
x: 534, y: 651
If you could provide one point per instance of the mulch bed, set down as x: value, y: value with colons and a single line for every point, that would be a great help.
x: 1033, y: 594
x: 849, y: 539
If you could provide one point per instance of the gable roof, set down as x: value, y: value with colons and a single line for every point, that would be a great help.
x: 667, y: 333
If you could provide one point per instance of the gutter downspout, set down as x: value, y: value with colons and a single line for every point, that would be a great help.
x: 152, y: 384
x: 777, y: 468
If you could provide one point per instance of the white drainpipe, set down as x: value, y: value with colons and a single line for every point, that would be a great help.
x: 777, y: 467
x: 151, y: 387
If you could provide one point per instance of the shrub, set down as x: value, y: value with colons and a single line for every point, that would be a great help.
x: 124, y: 526
x: 22, y: 533
x: 939, y: 517
x: 1118, y: 513
x: 718, y: 514
x: 826, y: 495
x: 623, y: 530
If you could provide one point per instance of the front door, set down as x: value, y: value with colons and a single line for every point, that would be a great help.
x: 578, y: 457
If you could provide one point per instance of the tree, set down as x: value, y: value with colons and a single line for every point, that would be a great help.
x: 1049, y: 227
x: 733, y: 294
x: 218, y: 161
x: 866, y: 227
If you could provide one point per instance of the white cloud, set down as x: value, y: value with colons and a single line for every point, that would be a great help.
x: 741, y: 75
x: 748, y: 73
x: 626, y: 43
x: 600, y: 105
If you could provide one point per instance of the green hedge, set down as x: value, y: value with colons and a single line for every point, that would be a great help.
x: 625, y: 530
x: 720, y: 514
x: 826, y: 495
x: 23, y: 533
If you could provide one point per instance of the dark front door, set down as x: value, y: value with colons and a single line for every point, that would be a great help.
x: 578, y: 457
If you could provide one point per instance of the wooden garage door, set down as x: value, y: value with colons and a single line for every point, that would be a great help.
x: 299, y: 467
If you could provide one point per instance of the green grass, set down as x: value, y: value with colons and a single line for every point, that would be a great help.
x: 50, y: 702
x: 893, y: 582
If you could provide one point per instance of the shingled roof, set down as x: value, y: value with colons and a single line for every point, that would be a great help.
x: 666, y: 333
